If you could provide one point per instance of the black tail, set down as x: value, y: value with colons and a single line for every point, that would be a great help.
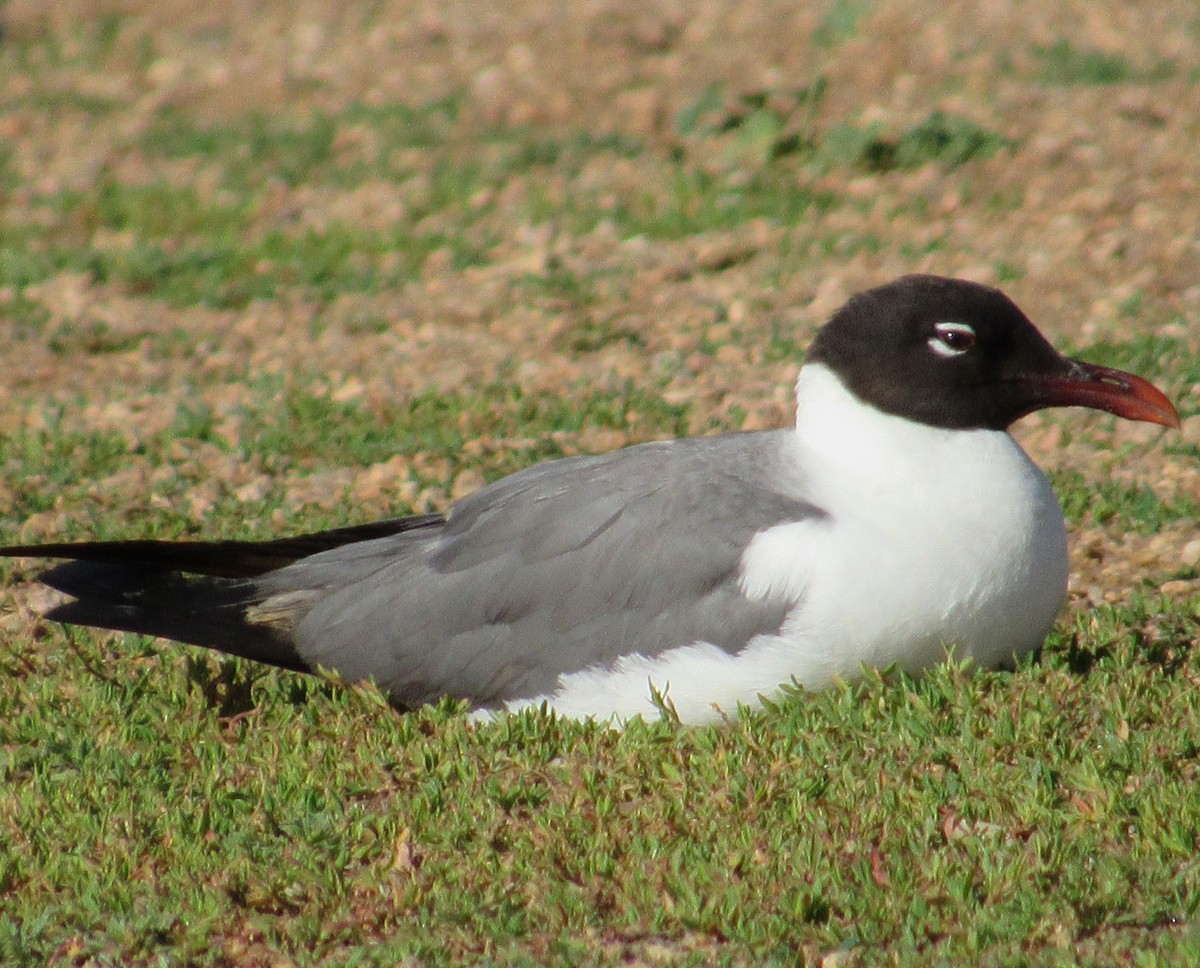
x: 190, y: 591
x: 200, y: 610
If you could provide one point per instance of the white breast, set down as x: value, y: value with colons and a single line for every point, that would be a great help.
x: 936, y: 539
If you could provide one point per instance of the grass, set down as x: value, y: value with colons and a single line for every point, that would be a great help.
x: 287, y: 432
x: 943, y: 138
x: 161, y: 806
x: 945, y: 816
x: 317, y: 430
x: 224, y: 248
x: 186, y: 248
x: 1065, y: 64
x: 1134, y: 507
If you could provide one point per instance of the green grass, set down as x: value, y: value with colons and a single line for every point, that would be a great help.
x: 317, y: 430
x: 1108, y: 502
x: 221, y: 249
x: 340, y: 259
x: 1064, y: 63
x: 26, y: 317
x: 946, y: 816
x: 943, y: 138
x: 695, y: 201
x: 26, y: 258
x: 187, y: 248
x: 293, y: 429
x: 219, y: 269
x: 258, y: 146
x: 840, y: 22
x: 42, y: 462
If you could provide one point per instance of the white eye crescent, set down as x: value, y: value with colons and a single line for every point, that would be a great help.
x: 952, y: 339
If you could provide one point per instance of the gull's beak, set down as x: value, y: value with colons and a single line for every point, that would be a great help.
x: 1101, y: 388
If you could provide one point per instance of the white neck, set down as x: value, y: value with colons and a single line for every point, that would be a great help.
x: 839, y: 429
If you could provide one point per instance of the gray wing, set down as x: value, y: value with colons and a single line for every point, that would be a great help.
x: 564, y: 566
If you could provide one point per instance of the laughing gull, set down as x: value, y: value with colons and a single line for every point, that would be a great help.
x: 898, y: 520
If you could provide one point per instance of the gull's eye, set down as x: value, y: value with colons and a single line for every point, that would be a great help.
x: 952, y: 339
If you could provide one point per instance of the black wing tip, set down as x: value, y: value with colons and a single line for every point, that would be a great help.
x: 196, y: 610
x: 223, y: 558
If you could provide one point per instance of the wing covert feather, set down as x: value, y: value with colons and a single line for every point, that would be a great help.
x: 562, y: 567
